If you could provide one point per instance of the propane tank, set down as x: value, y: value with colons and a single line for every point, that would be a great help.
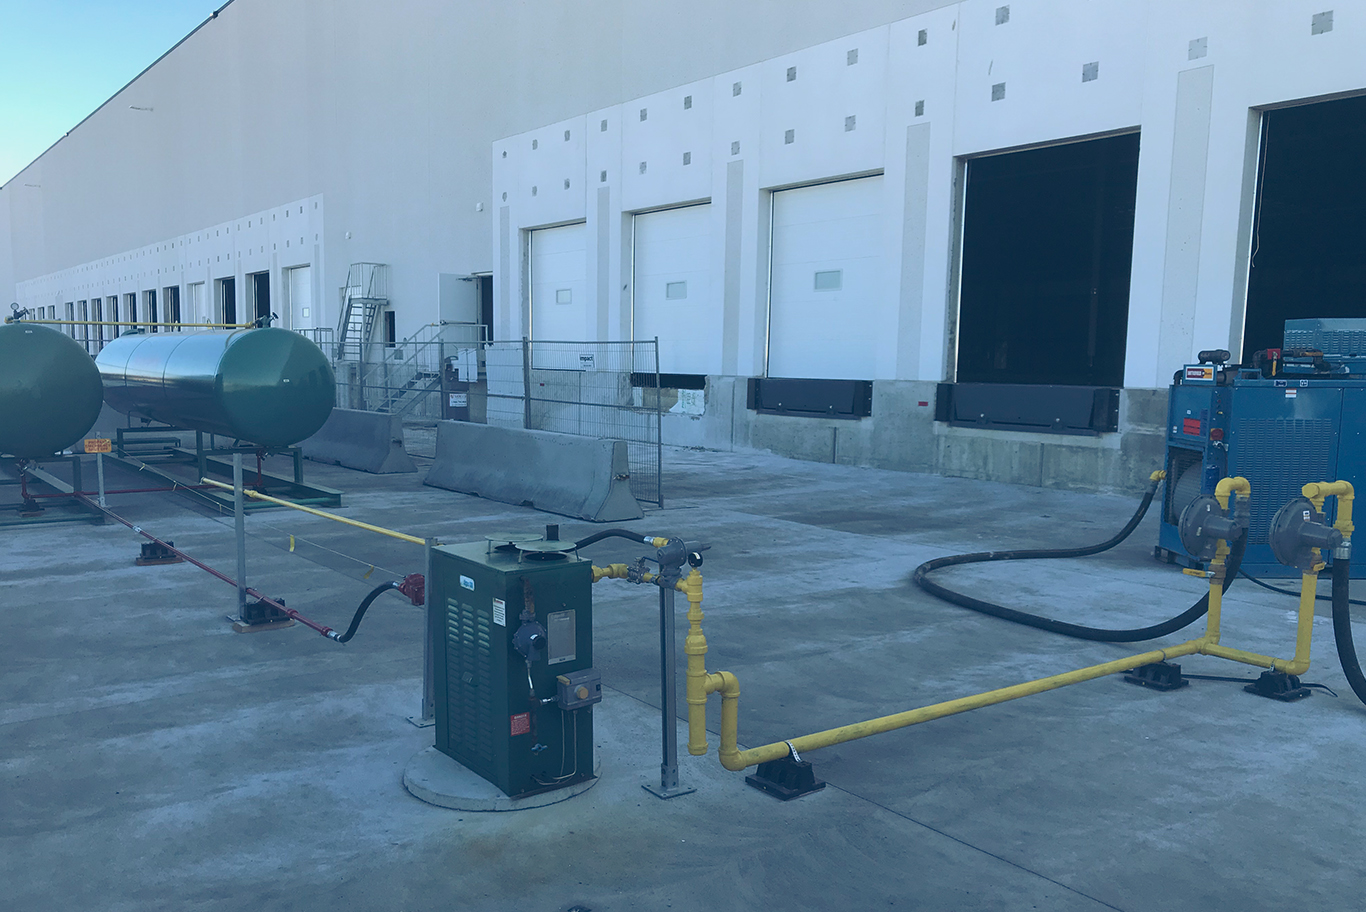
x: 49, y: 391
x: 270, y: 387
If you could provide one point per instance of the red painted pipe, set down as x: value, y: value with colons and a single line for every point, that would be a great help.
x: 324, y: 630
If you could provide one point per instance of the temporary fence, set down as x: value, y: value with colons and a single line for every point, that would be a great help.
x: 593, y: 389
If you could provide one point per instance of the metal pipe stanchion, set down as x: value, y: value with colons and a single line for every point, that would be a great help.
x: 428, y: 717
x: 668, y: 786
x: 240, y: 523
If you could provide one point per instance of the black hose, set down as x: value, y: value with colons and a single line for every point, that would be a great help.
x: 1265, y: 585
x: 364, y: 606
x: 1342, y: 628
x: 1079, y: 631
x: 612, y: 533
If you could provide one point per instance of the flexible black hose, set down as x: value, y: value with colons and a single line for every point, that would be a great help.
x: 1342, y: 628
x: 1265, y: 585
x: 365, y: 606
x: 612, y: 533
x: 1079, y: 631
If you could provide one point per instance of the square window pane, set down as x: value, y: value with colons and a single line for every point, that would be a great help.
x: 563, y: 296
x: 830, y: 280
x: 675, y: 291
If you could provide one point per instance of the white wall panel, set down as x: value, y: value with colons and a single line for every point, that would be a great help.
x: 807, y: 130
x: 827, y: 229
x: 676, y: 298
x: 560, y: 310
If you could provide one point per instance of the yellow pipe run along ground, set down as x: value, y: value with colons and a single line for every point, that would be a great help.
x: 700, y: 682
x: 256, y: 495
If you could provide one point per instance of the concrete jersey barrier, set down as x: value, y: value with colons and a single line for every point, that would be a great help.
x: 584, y: 477
x: 368, y: 441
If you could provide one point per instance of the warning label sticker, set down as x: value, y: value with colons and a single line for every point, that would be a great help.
x: 1190, y: 426
x: 521, y: 724
x: 1199, y: 372
x: 500, y: 612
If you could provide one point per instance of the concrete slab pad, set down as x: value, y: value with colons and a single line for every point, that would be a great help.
x: 439, y: 780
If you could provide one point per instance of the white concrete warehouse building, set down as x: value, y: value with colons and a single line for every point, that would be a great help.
x: 985, y: 234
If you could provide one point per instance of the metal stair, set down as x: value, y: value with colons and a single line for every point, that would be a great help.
x: 401, y: 399
x: 365, y: 294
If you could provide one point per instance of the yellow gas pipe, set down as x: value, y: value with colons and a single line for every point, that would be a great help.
x: 700, y: 683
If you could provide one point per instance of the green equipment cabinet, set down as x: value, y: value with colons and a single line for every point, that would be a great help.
x: 512, y: 637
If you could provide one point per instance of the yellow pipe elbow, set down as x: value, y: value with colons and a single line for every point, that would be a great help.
x: 1317, y: 492
x: 1227, y: 486
x: 1158, y: 475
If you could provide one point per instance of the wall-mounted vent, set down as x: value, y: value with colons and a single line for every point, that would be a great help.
x: 851, y: 57
x: 998, y: 91
x: 687, y: 158
x: 789, y: 137
x: 644, y: 113
x: 920, y: 109
x: 791, y: 74
x: 1002, y: 15
x: 1197, y: 48
x: 850, y: 123
x: 687, y: 102
x: 1090, y: 72
x: 1321, y: 23
x: 735, y: 148
x: 734, y: 89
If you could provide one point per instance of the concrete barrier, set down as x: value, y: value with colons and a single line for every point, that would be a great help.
x: 584, y: 477
x: 368, y: 441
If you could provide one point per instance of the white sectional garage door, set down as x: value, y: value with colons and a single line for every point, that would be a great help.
x: 672, y: 292
x: 559, y: 287
x: 827, y: 276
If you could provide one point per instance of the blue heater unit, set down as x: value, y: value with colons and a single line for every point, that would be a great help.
x: 1297, y: 415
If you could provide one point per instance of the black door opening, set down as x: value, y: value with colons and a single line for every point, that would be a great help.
x: 1308, y: 233
x: 1047, y: 248
x: 227, y: 294
x: 260, y: 290
x: 486, y: 303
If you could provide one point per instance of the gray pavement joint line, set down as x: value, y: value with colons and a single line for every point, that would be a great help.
x: 975, y: 848
x: 920, y: 823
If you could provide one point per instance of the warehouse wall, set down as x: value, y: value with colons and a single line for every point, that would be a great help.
x: 388, y: 113
x: 911, y: 101
x: 386, y: 110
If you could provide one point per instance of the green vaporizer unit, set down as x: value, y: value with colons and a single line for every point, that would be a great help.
x: 512, y: 637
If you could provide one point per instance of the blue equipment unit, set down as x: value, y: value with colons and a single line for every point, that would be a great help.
x: 1296, y: 417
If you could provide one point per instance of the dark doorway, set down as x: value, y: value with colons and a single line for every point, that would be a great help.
x: 486, y: 303
x: 1047, y: 245
x: 171, y: 298
x: 390, y: 329
x: 260, y: 292
x: 1308, y: 232
x: 227, y: 300
x: 149, y: 300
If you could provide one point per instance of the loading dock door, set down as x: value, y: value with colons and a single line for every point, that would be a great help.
x: 672, y: 289
x: 558, y: 285
x: 1047, y: 248
x: 1308, y: 232
x: 825, y: 290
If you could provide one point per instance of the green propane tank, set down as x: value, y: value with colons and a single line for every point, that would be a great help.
x: 270, y: 387
x: 49, y: 391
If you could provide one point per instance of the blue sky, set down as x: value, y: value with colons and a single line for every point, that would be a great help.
x: 61, y: 59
